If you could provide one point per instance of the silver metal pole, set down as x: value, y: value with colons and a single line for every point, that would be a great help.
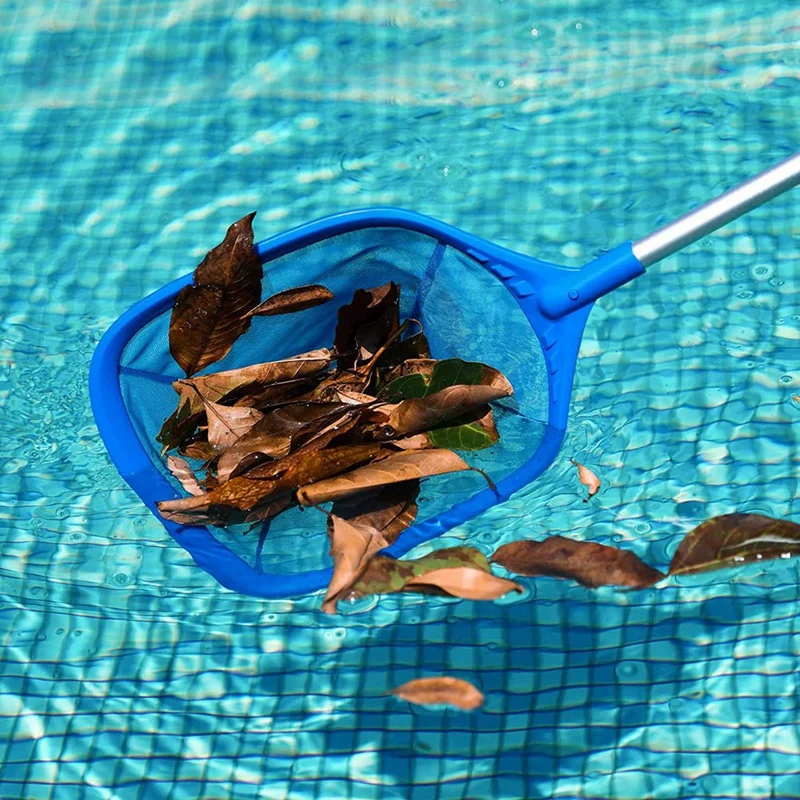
x: 718, y: 212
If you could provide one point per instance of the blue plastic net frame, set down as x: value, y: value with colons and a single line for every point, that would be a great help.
x: 555, y: 300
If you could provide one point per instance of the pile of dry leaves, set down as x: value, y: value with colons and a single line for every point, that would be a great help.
x: 358, y: 424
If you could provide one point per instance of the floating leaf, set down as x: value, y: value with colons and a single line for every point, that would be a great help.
x: 443, y: 690
x: 361, y: 526
x: 466, y: 582
x: 227, y: 424
x: 210, y: 315
x: 589, y: 563
x: 366, y: 323
x: 454, y: 566
x: 392, y: 469
x: 184, y: 473
x: 733, y: 539
x: 292, y: 300
x: 588, y: 479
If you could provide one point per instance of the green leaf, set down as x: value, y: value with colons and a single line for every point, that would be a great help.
x: 402, y: 388
x: 179, y: 427
x: 734, y: 539
x: 447, y: 373
x: 475, y: 431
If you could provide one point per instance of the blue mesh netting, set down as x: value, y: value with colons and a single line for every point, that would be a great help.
x: 466, y: 313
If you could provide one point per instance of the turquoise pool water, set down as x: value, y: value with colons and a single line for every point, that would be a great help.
x: 133, y: 134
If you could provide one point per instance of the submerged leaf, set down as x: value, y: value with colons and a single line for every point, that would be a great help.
x: 443, y: 690
x: 184, y: 473
x: 588, y: 479
x: 397, y: 467
x: 733, y: 539
x: 210, y: 315
x: 589, y: 563
x: 292, y: 300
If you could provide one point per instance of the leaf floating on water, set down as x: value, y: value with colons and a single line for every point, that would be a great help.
x: 227, y: 424
x: 292, y: 300
x: 184, y: 473
x: 385, y: 575
x: 439, y: 691
x: 589, y: 563
x: 397, y: 467
x: 588, y: 479
x: 361, y: 526
x: 734, y: 539
x: 466, y: 582
x: 210, y: 315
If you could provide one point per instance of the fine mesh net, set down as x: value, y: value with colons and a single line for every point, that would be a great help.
x: 466, y: 313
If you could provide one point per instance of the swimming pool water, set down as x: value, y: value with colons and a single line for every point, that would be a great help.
x: 133, y: 134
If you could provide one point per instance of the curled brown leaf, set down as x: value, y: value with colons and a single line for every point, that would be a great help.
x: 292, y: 300
x: 588, y: 479
x: 394, y: 468
x: 589, y: 563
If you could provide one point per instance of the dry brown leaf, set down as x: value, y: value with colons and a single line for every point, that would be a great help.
x: 465, y: 582
x: 392, y: 469
x: 422, y: 413
x: 360, y: 526
x: 274, y: 436
x: 587, y: 478
x: 227, y: 424
x: 184, y: 473
x: 443, y: 690
x: 284, y: 373
x: 348, y: 549
x: 210, y: 315
x: 734, y: 540
x: 589, y: 563
x: 366, y: 323
x: 292, y: 300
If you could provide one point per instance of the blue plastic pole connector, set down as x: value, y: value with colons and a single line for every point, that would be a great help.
x: 601, y: 276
